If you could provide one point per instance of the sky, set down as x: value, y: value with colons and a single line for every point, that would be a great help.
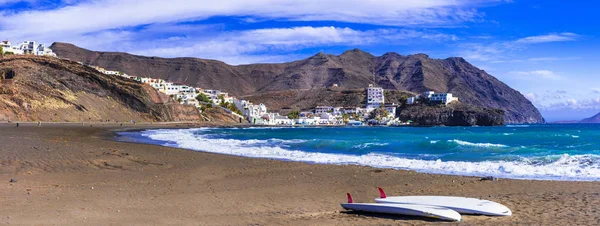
x: 547, y: 50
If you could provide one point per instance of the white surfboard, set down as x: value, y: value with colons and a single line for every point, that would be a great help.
x: 404, y: 209
x: 459, y: 204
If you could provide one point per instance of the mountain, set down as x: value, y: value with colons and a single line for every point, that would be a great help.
x: 593, y: 119
x: 354, y: 69
x: 49, y: 89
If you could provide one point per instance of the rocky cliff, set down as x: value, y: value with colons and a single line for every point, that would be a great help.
x: 455, y: 114
x: 353, y: 69
x: 49, y: 89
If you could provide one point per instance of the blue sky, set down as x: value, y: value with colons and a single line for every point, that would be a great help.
x: 547, y: 50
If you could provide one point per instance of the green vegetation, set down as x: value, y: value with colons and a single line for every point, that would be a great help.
x: 379, y: 114
x: 346, y: 118
x: 203, y: 98
x: 1, y: 51
x: 294, y: 114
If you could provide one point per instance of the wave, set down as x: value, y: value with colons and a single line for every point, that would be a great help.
x: 521, y: 126
x: 562, y: 167
x: 368, y: 145
x: 465, y: 143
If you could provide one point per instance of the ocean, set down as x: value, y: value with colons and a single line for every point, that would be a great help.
x: 541, y: 152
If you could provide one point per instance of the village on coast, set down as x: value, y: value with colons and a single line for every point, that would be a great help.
x: 375, y: 111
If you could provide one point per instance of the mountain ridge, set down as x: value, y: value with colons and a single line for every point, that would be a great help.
x: 593, y: 119
x: 350, y: 70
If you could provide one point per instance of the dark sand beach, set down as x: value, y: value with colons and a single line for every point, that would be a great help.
x: 69, y: 174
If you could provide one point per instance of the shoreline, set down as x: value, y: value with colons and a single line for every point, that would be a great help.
x: 73, y: 175
x: 378, y: 161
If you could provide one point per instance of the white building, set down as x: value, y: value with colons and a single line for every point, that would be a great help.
x: 283, y: 120
x: 391, y: 109
x: 106, y: 72
x: 444, y: 98
x: 42, y: 50
x: 375, y: 97
x: 170, y: 88
x: 351, y: 111
x: 26, y: 47
x: 323, y: 109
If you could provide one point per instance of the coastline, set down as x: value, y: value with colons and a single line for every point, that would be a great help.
x: 70, y: 174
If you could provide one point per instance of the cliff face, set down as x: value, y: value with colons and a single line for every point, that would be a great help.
x: 351, y: 70
x: 452, y: 115
x: 49, y: 89
x: 593, y: 119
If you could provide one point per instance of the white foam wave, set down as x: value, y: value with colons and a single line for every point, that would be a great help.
x: 523, y: 126
x: 465, y: 143
x: 507, y: 134
x: 368, y: 145
x: 564, y: 167
x: 434, y: 141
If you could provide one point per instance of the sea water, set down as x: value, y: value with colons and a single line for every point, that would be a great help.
x: 545, y: 152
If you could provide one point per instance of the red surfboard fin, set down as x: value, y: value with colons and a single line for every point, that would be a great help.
x: 349, y: 198
x: 382, y: 193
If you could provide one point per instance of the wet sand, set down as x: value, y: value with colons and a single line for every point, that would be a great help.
x: 78, y: 175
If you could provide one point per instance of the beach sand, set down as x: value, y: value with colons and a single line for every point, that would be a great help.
x: 78, y: 175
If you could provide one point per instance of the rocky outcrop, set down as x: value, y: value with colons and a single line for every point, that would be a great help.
x: 49, y: 89
x: 455, y: 114
x: 353, y: 69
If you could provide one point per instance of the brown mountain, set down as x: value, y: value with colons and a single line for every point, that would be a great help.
x: 50, y: 89
x: 351, y: 70
x: 593, y: 119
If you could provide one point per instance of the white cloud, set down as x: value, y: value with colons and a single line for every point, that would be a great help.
x: 560, y: 100
x: 240, y: 47
x: 546, y: 59
x: 531, y: 97
x: 556, y: 37
x: 544, y: 74
x: 499, y: 51
x: 112, y: 14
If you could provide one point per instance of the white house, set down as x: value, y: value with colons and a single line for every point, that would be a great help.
x: 444, y: 98
x: 26, y: 47
x: 391, y: 109
x: 170, y: 88
x: 350, y: 111
x: 323, y: 109
x: 7, y: 47
x: 111, y: 72
x: 283, y: 120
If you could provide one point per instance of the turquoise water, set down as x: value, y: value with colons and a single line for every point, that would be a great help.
x: 549, y: 152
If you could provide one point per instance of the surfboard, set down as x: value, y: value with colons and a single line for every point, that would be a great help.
x: 404, y: 209
x: 462, y: 205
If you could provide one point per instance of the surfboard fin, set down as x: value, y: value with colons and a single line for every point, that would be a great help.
x: 349, y: 198
x: 381, y: 193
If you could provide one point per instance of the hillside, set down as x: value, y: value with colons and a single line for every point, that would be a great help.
x: 353, y: 69
x: 308, y: 99
x: 593, y: 119
x: 49, y: 89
